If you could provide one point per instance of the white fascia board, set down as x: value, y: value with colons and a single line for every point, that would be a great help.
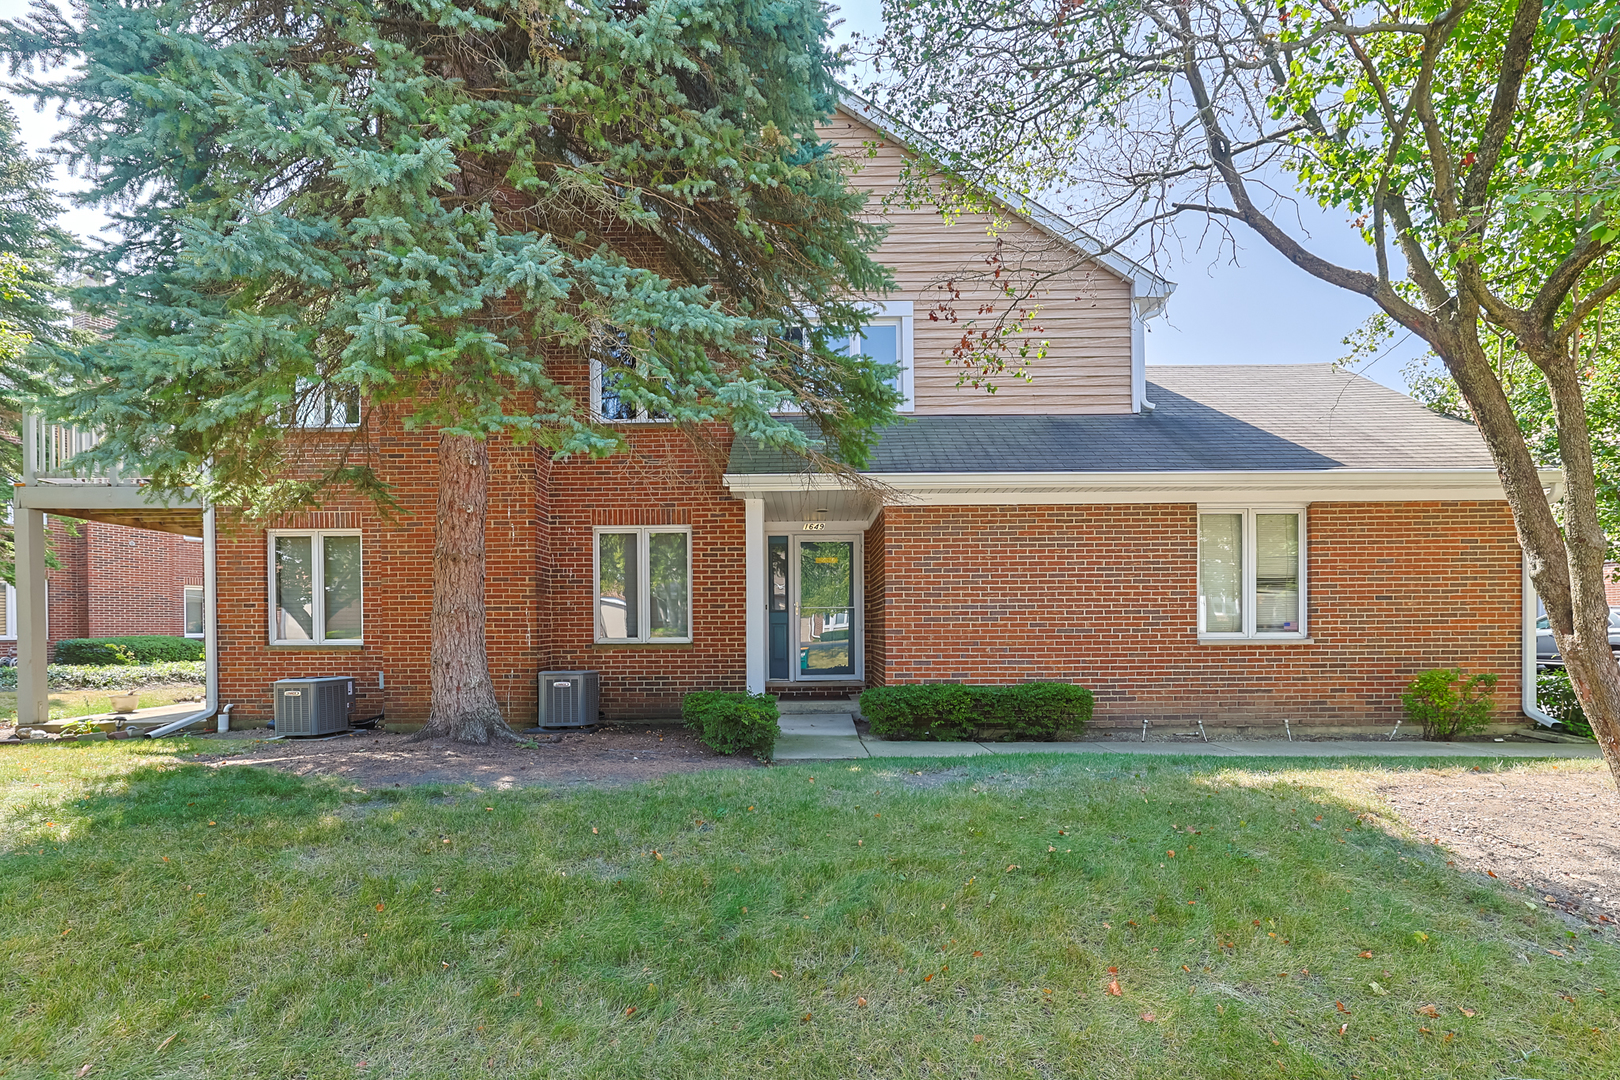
x: 1336, y: 485
x: 69, y: 497
x: 1149, y: 289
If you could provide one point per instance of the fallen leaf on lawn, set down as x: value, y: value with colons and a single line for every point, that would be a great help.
x: 630, y: 1011
x: 1172, y: 854
x: 1428, y: 1010
x: 489, y: 808
x: 978, y: 1038
x: 657, y: 856
x: 1113, y: 988
x: 1555, y: 952
x: 1449, y: 1036
x: 1491, y: 873
x: 929, y: 977
x: 806, y: 1018
x: 164, y: 1045
x: 1425, y: 1031
x: 860, y: 1003
x: 778, y: 974
x: 1343, y: 1028
x: 1379, y: 990
x: 1466, y: 1012
x: 379, y: 905
x: 593, y: 829
x: 443, y: 964
x: 1148, y: 1018
x: 978, y: 954
x: 1341, y: 1007
x: 83, y: 1072
x: 1185, y: 968
x: 1106, y: 926
x: 1419, y: 936
x: 1011, y: 867
x: 1113, y: 971
x: 1567, y: 998
x: 1049, y: 847
x: 1365, y: 955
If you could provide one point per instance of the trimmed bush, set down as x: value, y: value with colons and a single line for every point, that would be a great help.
x: 730, y: 723
x: 951, y: 712
x: 114, y: 676
x: 136, y: 649
x: 1448, y: 703
x: 1556, y: 696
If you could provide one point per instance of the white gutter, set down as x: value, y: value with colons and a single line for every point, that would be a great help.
x: 1527, y: 649
x: 210, y: 634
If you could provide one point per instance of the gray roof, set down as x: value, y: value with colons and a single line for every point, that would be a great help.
x: 1224, y: 418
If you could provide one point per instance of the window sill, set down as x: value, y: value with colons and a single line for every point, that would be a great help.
x: 1256, y: 641
x: 340, y: 645
x: 617, y: 644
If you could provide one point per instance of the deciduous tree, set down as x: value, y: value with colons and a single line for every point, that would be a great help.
x: 1472, y: 142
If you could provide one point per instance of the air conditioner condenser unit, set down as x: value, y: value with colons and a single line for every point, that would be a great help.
x: 568, y: 699
x: 313, y: 706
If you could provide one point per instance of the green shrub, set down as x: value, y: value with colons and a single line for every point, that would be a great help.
x: 1448, y: 703
x: 137, y: 649
x: 951, y: 712
x: 1556, y: 696
x: 114, y: 676
x: 731, y: 723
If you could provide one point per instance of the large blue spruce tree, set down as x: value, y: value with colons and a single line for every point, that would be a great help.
x: 422, y: 204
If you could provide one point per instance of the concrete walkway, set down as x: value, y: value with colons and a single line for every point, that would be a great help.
x: 832, y: 737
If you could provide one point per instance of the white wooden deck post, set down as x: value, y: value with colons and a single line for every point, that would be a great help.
x: 33, y: 695
x: 754, y: 619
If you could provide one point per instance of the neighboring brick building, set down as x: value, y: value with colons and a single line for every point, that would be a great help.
x: 113, y: 580
x: 1240, y: 545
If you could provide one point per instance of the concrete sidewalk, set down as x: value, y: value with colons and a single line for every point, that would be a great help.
x: 832, y: 737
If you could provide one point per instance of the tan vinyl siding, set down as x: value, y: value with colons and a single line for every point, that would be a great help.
x: 1084, y: 313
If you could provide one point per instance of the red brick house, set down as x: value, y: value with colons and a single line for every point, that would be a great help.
x: 113, y: 581
x: 1241, y: 545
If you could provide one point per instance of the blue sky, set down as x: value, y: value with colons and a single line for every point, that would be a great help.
x: 1251, y: 308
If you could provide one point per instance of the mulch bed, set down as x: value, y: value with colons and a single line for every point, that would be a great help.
x: 374, y: 759
x: 1552, y: 833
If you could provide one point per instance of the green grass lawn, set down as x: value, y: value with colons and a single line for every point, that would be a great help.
x: 165, y: 919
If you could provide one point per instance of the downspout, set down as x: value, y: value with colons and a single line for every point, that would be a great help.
x: 210, y: 634
x: 1527, y: 649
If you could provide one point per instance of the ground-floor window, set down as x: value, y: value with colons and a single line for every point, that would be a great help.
x: 315, y: 587
x: 1251, y: 573
x: 644, y: 585
x: 194, y: 611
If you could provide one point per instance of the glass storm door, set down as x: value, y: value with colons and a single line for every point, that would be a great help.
x: 825, y: 611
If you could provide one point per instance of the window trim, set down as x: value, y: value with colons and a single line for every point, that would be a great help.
x: 642, y: 415
x: 1250, y: 565
x: 644, y: 583
x: 185, y: 602
x: 317, y: 587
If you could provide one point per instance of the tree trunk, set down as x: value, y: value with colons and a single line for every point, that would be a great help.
x: 463, y: 701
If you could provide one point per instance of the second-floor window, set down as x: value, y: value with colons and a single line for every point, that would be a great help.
x: 885, y: 339
x: 612, y: 365
x: 325, y: 405
x: 315, y: 587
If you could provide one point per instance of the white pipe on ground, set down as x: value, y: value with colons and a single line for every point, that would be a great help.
x: 225, y: 718
x: 1527, y: 650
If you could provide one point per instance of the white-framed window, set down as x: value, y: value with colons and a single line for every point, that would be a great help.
x: 1251, y: 572
x: 643, y: 584
x: 324, y: 405
x: 608, y: 367
x: 316, y: 593
x: 886, y: 339
x: 194, y: 611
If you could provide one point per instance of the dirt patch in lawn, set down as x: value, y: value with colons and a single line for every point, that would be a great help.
x: 1552, y: 832
x: 382, y: 759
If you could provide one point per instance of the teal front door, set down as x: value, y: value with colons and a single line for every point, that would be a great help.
x: 827, y: 637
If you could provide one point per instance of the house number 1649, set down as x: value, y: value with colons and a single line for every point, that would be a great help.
x: 814, y: 526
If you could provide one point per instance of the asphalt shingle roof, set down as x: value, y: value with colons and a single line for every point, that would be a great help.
x: 1252, y: 417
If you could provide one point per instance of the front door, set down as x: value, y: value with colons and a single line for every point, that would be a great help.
x: 826, y: 641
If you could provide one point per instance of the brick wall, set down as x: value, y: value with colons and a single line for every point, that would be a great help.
x: 136, y: 580
x: 538, y: 591
x: 1106, y: 596
x: 873, y: 580
x: 112, y: 581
